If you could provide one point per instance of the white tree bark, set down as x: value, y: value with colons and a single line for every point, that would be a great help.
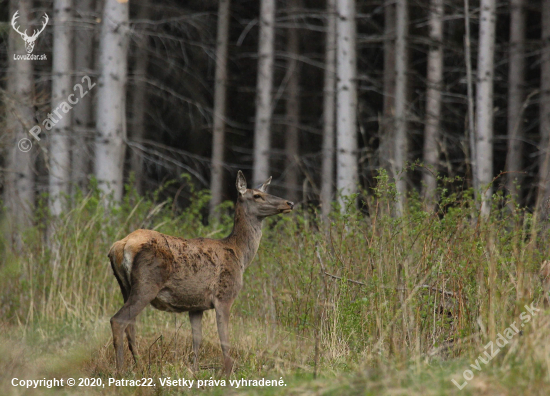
x: 262, y: 127
x: 139, y: 99
x: 388, y: 123
x: 434, y: 81
x: 544, y: 148
x: 484, y: 102
x: 346, y: 99
x: 292, y: 141
x: 19, y: 188
x: 329, y: 95
x: 401, y: 83
x: 220, y: 89
x: 83, y: 113
x: 516, y: 82
x: 111, y: 99
x: 62, y: 87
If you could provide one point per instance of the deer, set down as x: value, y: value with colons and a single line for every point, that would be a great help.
x: 190, y: 275
x: 29, y: 40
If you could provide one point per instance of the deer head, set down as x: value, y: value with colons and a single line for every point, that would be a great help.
x: 29, y: 40
x: 257, y: 202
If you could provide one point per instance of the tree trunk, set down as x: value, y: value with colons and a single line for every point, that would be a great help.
x: 139, y: 101
x: 111, y: 99
x: 484, y: 105
x: 471, y: 131
x: 262, y: 128
x: 62, y: 87
x: 327, y: 175
x: 220, y: 89
x: 292, y: 141
x: 19, y: 188
x: 434, y: 83
x: 401, y: 84
x: 516, y: 81
x: 83, y: 113
x: 544, y: 149
x: 388, y: 123
x: 346, y: 99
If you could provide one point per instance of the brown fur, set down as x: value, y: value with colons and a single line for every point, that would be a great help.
x: 189, y: 275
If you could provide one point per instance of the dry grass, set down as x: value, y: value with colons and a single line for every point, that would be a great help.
x: 372, y: 304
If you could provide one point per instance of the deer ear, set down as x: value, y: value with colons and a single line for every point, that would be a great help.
x: 241, y: 183
x: 263, y: 187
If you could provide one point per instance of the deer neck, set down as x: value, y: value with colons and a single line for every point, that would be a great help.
x: 246, y: 235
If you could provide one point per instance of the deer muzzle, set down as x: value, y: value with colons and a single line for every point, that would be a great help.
x: 288, y: 208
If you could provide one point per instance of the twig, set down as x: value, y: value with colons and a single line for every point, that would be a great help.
x: 168, y: 159
x: 400, y: 288
x: 171, y: 341
x: 451, y: 344
x: 433, y: 288
x: 150, y: 346
x: 349, y: 280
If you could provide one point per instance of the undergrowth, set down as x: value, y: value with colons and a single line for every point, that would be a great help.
x: 362, y: 294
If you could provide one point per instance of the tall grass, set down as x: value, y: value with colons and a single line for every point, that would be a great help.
x: 364, y: 289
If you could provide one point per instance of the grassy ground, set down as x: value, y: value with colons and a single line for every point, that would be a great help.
x: 369, y: 304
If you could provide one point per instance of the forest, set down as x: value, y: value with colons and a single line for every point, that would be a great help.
x: 412, y: 138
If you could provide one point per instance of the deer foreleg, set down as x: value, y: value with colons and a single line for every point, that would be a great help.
x: 196, y: 327
x: 222, y: 319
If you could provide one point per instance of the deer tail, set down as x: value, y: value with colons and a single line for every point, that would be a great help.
x: 116, y: 256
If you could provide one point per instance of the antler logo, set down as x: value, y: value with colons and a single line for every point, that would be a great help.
x: 29, y: 40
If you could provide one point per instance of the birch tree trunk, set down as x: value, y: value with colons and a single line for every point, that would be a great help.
x: 401, y: 95
x: 220, y: 89
x: 139, y: 100
x: 262, y: 127
x: 83, y: 113
x: 516, y: 82
x: 484, y: 102
x: 346, y: 99
x: 434, y: 83
x: 111, y: 99
x: 292, y: 141
x: 62, y: 87
x: 329, y: 95
x: 544, y: 149
x: 19, y: 188
x: 386, y: 154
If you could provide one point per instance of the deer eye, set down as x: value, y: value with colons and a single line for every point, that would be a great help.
x: 257, y: 196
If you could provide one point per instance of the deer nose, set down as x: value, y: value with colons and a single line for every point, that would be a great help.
x: 289, y: 203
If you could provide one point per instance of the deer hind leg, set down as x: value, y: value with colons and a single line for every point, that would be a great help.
x: 150, y: 270
x: 138, y: 299
x: 222, y: 320
x: 196, y: 328
x: 131, y: 334
x: 131, y: 328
